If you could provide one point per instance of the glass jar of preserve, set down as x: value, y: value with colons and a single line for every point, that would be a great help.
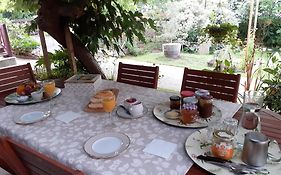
x: 192, y: 100
x: 205, y: 106
x: 189, y: 113
x: 175, y: 102
x: 201, y: 92
x: 223, y: 144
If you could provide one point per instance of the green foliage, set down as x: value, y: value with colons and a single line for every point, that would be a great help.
x: 60, y: 66
x: 23, y: 45
x: 272, y: 83
x: 222, y: 33
x: 225, y: 66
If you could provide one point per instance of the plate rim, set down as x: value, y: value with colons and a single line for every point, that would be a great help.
x: 58, y: 90
x: 165, y: 120
x: 145, y: 110
x: 123, y: 137
x: 214, y: 169
x: 17, y: 118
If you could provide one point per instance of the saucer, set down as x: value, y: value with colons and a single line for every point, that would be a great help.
x: 121, y: 112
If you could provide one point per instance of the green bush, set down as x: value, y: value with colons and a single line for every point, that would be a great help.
x: 60, y: 66
x: 23, y: 45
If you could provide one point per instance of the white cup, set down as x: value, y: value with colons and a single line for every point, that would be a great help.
x: 136, y: 110
x: 129, y: 102
x: 37, y: 95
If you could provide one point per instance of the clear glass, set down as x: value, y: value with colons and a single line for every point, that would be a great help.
x: 252, y: 103
x: 109, y: 103
x: 49, y: 87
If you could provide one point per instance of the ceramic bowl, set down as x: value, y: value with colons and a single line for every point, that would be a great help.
x: 22, y: 98
x: 37, y: 95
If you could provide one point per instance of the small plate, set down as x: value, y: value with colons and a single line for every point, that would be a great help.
x: 121, y: 112
x: 107, y: 145
x: 13, y: 98
x: 31, y: 117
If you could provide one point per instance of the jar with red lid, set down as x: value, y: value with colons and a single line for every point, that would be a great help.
x: 189, y: 113
x: 205, y: 106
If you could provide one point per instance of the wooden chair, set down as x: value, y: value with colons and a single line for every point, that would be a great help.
x: 22, y: 160
x: 11, y: 77
x: 145, y: 76
x: 221, y: 86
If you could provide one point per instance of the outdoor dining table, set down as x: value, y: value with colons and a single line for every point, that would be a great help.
x: 64, y: 141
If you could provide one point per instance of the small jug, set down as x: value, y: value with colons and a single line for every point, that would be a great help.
x: 136, y: 110
x: 255, y: 149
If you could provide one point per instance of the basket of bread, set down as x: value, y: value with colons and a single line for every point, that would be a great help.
x: 95, y: 104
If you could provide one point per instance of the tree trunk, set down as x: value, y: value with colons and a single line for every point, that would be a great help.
x: 52, y: 17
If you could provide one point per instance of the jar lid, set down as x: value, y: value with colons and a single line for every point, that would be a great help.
x: 207, y: 97
x: 189, y: 106
x: 187, y: 93
x: 175, y: 98
x: 192, y: 100
x: 201, y: 92
x: 224, y: 135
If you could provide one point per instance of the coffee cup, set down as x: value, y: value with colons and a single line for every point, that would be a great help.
x: 129, y: 102
x: 136, y: 110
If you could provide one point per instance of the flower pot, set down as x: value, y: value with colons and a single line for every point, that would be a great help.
x: 171, y: 50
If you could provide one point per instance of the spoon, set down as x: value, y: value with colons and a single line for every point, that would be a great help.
x: 126, y: 110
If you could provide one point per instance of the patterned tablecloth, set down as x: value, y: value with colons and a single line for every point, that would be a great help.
x: 64, y: 142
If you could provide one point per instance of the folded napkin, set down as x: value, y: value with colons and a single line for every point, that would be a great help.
x: 160, y: 148
x: 68, y: 116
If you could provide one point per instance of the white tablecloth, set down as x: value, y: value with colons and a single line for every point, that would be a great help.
x: 64, y: 141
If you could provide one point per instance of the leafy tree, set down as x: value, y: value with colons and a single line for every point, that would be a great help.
x: 93, y: 22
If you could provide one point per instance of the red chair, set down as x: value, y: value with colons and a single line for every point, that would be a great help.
x: 145, y: 76
x: 22, y: 160
x: 11, y: 77
x: 221, y: 86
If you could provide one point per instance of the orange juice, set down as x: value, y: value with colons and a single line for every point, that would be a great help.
x: 108, y: 104
x: 49, y: 87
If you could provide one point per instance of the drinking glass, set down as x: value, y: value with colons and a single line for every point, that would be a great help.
x: 49, y: 87
x: 108, y: 104
x: 252, y: 103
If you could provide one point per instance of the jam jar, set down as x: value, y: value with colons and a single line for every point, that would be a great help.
x: 201, y: 92
x: 205, y: 106
x: 189, y: 113
x: 175, y: 102
x: 222, y: 144
x: 192, y: 100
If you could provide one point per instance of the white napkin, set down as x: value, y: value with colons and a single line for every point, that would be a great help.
x: 68, y: 116
x: 160, y: 148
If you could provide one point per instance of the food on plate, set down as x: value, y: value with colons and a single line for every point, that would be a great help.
x: 27, y: 88
x: 172, y: 114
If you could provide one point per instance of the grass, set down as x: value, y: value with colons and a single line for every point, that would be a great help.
x: 193, y: 61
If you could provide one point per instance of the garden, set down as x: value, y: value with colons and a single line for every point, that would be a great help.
x: 212, y: 35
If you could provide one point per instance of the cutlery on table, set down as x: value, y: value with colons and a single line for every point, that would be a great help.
x: 236, y: 168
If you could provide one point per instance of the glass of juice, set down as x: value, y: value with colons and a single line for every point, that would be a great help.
x: 49, y: 87
x: 108, y: 104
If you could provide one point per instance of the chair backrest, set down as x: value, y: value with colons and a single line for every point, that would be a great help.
x: 146, y: 76
x: 221, y: 86
x: 11, y: 77
x: 26, y: 161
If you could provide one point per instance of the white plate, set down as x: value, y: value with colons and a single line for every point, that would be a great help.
x: 121, y: 112
x: 198, y: 143
x: 160, y: 110
x: 31, y: 117
x: 107, y: 145
x: 13, y: 98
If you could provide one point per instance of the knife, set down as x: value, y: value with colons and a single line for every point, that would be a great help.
x: 232, y: 166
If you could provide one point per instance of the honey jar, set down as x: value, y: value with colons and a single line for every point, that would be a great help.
x: 222, y: 144
x: 205, y: 106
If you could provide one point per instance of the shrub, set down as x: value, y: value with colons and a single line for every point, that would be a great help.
x: 23, y: 45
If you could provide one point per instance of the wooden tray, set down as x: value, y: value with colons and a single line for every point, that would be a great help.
x: 87, y: 109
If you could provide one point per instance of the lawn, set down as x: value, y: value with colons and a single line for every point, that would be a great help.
x: 193, y: 61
